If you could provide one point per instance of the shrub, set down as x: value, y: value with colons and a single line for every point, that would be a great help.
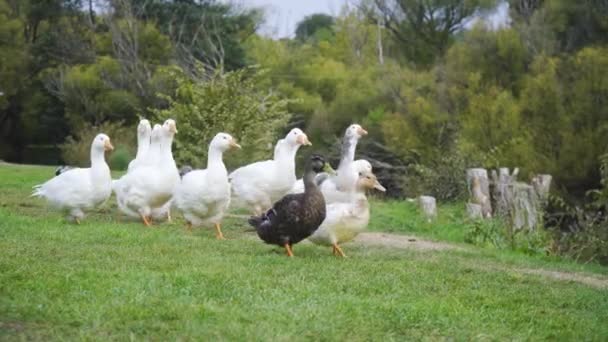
x: 120, y: 158
x: 444, y: 178
x: 497, y: 233
x: 76, y: 150
x: 229, y: 102
x: 581, y: 232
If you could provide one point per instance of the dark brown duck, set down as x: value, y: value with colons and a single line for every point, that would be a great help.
x: 294, y: 217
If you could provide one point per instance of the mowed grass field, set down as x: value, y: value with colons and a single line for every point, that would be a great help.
x: 112, y: 279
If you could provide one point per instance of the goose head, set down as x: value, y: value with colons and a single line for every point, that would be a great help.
x: 102, y: 143
x: 224, y: 142
x: 169, y: 127
x: 318, y: 164
x: 143, y: 129
x: 362, y: 165
x: 368, y: 181
x: 296, y: 137
x: 355, y: 131
x: 156, y: 133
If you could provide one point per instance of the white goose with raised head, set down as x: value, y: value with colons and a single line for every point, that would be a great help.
x: 150, y: 185
x: 257, y: 186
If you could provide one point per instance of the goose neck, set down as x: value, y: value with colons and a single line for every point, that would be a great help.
x: 97, y: 157
x: 349, y: 145
x: 215, y: 158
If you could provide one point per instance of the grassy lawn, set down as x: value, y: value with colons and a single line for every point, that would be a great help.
x: 107, y: 279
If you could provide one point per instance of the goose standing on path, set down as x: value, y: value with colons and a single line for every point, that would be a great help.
x: 345, y: 220
x: 79, y: 189
x: 203, y: 196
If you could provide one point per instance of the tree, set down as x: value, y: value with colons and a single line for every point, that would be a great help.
x: 315, y: 25
x: 228, y: 102
x: 202, y: 31
x: 424, y: 28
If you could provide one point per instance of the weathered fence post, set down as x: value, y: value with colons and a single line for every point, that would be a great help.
x: 428, y: 204
x: 479, y: 189
x: 542, y: 184
x: 502, y: 182
x: 523, y: 206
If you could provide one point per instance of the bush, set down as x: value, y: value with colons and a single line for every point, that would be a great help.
x: 497, y: 233
x: 581, y: 232
x: 443, y: 179
x: 120, y: 158
x: 76, y: 150
x: 227, y: 102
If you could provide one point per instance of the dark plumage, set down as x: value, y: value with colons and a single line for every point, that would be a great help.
x: 62, y: 168
x: 294, y: 217
x: 184, y: 170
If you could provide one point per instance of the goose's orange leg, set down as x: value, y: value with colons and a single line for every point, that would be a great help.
x: 288, y: 249
x: 218, y: 232
x: 338, y: 250
x: 146, y: 220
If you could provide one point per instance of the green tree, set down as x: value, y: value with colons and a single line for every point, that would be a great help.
x: 206, y: 31
x: 424, y: 28
x: 231, y: 103
x: 317, y: 25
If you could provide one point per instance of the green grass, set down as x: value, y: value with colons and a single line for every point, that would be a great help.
x: 106, y: 279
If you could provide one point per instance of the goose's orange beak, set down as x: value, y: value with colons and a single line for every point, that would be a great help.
x: 233, y: 144
x: 107, y: 146
x: 361, y: 131
x: 303, y: 140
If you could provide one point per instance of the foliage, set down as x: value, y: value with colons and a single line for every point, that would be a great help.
x: 581, y: 231
x: 205, y: 31
x: 76, y: 150
x: 424, y: 28
x: 443, y: 179
x: 69, y: 63
x: 226, y: 102
x: 315, y: 25
x: 120, y: 158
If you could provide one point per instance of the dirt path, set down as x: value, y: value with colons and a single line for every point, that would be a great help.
x: 413, y: 242
x: 402, y: 241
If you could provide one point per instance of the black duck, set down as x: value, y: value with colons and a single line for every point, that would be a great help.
x: 294, y: 217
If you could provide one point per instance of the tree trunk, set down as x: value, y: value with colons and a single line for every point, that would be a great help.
x: 523, y: 206
x: 500, y: 190
x: 428, y: 206
x: 542, y: 184
x: 479, y: 190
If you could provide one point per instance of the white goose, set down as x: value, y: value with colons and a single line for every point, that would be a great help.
x: 150, y: 185
x: 80, y: 189
x: 150, y: 158
x: 203, y: 196
x: 257, y: 186
x: 144, y: 131
x: 345, y: 220
x: 347, y: 174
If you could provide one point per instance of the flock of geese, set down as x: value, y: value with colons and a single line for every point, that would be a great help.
x: 328, y: 207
